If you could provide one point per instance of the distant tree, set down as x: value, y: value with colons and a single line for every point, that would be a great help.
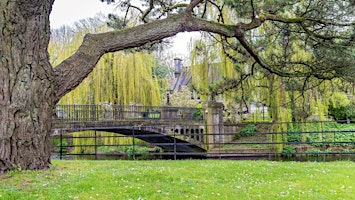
x: 341, y: 108
x: 30, y: 86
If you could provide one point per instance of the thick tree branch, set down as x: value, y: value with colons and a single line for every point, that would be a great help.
x: 192, y: 5
x: 73, y: 70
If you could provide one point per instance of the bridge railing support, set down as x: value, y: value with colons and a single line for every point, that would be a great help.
x: 215, y: 125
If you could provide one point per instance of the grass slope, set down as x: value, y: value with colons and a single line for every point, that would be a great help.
x: 184, y: 179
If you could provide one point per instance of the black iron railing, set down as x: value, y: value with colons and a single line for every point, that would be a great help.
x: 311, y: 145
x: 107, y: 112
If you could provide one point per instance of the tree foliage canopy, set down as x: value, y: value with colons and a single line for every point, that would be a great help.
x: 323, y: 29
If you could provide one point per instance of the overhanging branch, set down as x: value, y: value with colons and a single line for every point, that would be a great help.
x: 73, y: 70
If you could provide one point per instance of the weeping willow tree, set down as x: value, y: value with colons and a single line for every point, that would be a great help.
x: 119, y: 78
x: 123, y: 78
x: 288, y: 99
x: 294, y: 83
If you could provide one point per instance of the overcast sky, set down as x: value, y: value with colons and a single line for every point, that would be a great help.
x: 66, y: 12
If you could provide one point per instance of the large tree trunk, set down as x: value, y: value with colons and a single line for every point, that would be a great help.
x: 26, y: 85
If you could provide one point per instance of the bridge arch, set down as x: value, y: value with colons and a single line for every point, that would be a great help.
x: 165, y: 141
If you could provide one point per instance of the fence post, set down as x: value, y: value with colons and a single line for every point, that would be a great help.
x: 95, y: 145
x: 174, y: 145
x: 61, y: 145
x: 133, y: 144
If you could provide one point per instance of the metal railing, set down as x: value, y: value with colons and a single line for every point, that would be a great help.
x: 107, y: 112
x: 311, y: 145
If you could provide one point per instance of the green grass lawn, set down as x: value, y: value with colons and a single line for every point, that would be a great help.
x: 183, y: 179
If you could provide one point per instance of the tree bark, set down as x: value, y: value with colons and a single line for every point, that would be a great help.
x: 26, y: 85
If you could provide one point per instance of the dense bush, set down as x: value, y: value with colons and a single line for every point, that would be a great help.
x: 247, y: 131
x: 342, y: 112
x: 329, y: 132
x: 288, y: 150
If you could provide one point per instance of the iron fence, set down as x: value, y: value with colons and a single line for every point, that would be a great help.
x: 296, y: 145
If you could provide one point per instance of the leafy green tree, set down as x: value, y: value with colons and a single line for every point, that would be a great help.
x: 30, y: 86
x: 343, y: 112
x: 341, y: 108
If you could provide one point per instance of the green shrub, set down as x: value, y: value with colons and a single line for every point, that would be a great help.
x: 157, y: 149
x: 288, y: 150
x: 314, y: 152
x: 247, y: 131
x: 133, y: 150
x: 294, y: 137
x: 237, y: 136
x: 198, y: 114
x: 342, y: 112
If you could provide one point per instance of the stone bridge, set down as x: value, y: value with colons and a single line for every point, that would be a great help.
x: 191, y: 128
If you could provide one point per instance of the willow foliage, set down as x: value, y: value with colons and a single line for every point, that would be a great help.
x: 119, y: 78
x: 220, y: 67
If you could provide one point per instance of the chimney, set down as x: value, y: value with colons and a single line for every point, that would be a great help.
x: 178, y: 67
